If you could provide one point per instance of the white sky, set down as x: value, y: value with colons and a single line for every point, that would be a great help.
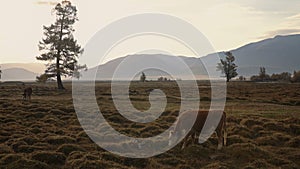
x: 227, y: 24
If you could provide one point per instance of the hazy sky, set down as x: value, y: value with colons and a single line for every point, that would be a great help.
x: 227, y: 24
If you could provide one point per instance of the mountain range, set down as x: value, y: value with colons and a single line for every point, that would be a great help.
x: 21, y: 71
x: 278, y: 54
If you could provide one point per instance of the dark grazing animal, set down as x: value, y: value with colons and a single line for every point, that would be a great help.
x: 27, y: 93
x: 197, y: 127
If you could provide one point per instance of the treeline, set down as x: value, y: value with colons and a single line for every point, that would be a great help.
x: 281, y: 77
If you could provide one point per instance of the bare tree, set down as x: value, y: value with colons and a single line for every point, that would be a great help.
x: 143, y: 77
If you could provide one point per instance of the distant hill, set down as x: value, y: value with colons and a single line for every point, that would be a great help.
x: 278, y: 54
x: 17, y: 74
x: 131, y: 62
x: 32, y: 67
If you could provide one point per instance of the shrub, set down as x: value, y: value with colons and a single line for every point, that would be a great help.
x: 296, y: 77
x: 285, y: 76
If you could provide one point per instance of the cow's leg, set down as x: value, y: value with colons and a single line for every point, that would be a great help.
x: 220, y: 139
x: 185, y: 140
x: 196, y: 137
x: 225, y: 137
x: 184, y: 143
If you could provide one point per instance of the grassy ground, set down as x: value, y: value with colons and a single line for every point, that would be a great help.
x: 263, y: 128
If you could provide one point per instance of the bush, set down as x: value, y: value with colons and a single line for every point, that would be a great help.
x: 296, y: 77
x: 242, y: 78
x: 262, y: 77
x: 42, y: 78
x: 285, y: 76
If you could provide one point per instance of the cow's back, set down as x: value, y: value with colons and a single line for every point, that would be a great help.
x: 187, y: 117
x: 28, y: 91
x: 202, y: 116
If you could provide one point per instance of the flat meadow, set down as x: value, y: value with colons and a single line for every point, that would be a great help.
x: 263, y: 125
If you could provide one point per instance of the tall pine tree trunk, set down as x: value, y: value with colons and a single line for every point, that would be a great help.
x: 59, y: 82
x: 227, y: 77
x: 58, y: 75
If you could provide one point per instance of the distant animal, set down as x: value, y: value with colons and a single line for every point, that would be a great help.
x: 27, y: 93
x: 197, y: 127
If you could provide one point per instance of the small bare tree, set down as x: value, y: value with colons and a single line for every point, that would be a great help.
x: 143, y: 77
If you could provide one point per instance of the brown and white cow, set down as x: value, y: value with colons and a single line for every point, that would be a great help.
x: 27, y: 93
x: 196, y: 129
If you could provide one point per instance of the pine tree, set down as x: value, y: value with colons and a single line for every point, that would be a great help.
x: 58, y: 45
x: 228, y: 66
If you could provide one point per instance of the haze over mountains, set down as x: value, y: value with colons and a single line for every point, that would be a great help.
x: 21, y: 71
x: 278, y: 54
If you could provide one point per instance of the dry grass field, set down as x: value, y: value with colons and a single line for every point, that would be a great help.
x: 263, y: 121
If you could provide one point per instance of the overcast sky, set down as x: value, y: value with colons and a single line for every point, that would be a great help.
x: 227, y: 24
